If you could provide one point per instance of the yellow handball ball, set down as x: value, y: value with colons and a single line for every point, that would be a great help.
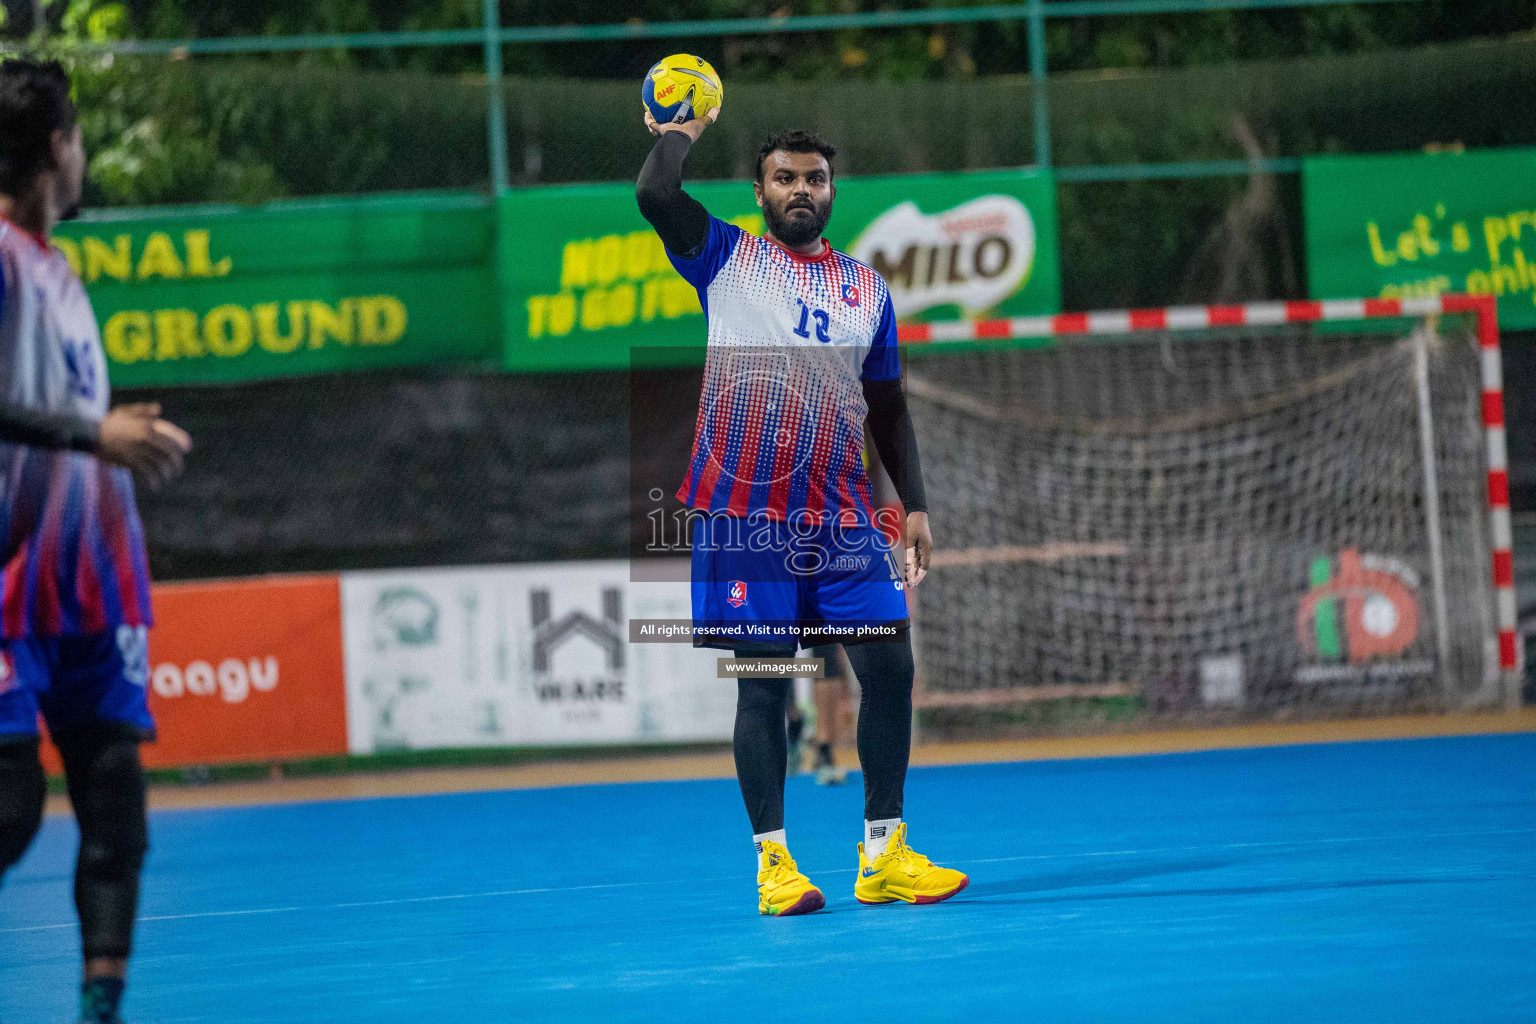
x: 680, y: 88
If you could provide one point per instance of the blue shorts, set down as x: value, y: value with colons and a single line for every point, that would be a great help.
x: 76, y: 682
x: 762, y: 585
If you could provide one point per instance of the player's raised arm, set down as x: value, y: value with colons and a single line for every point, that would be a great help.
x: 680, y: 220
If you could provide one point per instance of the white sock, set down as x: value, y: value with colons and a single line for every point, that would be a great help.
x: 776, y: 836
x: 877, y: 834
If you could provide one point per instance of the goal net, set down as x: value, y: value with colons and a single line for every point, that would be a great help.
x: 1272, y: 516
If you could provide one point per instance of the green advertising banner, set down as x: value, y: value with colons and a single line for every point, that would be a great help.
x: 208, y: 296
x: 586, y: 279
x: 1421, y: 224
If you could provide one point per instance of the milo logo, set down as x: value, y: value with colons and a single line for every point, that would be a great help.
x: 973, y: 256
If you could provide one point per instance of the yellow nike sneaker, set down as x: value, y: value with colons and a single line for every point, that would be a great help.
x: 782, y: 891
x: 901, y: 873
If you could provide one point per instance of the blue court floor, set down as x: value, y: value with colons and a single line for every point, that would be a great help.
x: 1387, y: 881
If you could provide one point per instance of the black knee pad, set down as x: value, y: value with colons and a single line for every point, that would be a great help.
x: 113, y: 857
x: 23, y: 789
x: 106, y: 786
x: 885, y: 670
x: 770, y: 695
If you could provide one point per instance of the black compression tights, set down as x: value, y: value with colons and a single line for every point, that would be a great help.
x: 106, y: 788
x: 761, y: 746
x: 22, y: 788
x: 884, y: 672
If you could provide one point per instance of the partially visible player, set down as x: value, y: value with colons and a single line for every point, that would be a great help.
x: 802, y: 350
x: 830, y: 696
x: 75, y: 604
x: 796, y: 721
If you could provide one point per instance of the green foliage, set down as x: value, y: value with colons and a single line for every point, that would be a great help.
x: 148, y: 141
x: 152, y: 141
x: 1345, y: 77
x: 169, y: 131
x: 95, y: 21
x: 1076, y: 44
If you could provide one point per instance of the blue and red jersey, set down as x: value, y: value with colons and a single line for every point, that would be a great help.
x: 780, y: 429
x: 70, y: 533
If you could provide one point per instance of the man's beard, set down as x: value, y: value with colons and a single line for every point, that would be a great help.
x: 794, y: 231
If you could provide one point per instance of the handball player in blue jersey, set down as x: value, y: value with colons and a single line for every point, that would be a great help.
x: 75, y: 604
x: 787, y: 550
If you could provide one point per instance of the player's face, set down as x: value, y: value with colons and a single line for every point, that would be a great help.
x: 796, y: 196
x: 69, y: 163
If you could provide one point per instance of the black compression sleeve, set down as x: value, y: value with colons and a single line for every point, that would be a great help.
x: 680, y: 220
x: 21, y: 425
x: 890, y: 426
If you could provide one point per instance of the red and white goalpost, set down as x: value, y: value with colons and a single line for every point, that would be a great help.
x: 1147, y: 512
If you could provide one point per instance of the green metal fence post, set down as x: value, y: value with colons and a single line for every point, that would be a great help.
x: 496, y: 109
x: 1037, y: 73
x: 496, y: 142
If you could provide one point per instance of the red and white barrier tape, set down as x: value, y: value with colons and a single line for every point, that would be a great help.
x: 1268, y: 314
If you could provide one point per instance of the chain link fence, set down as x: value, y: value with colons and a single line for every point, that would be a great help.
x: 299, y: 128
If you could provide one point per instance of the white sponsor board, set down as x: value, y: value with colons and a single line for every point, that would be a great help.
x: 973, y: 256
x: 521, y: 655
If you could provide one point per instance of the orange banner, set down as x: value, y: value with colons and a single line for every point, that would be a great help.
x: 247, y: 670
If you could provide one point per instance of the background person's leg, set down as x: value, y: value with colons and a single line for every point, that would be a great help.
x: 794, y: 721
x: 831, y: 699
